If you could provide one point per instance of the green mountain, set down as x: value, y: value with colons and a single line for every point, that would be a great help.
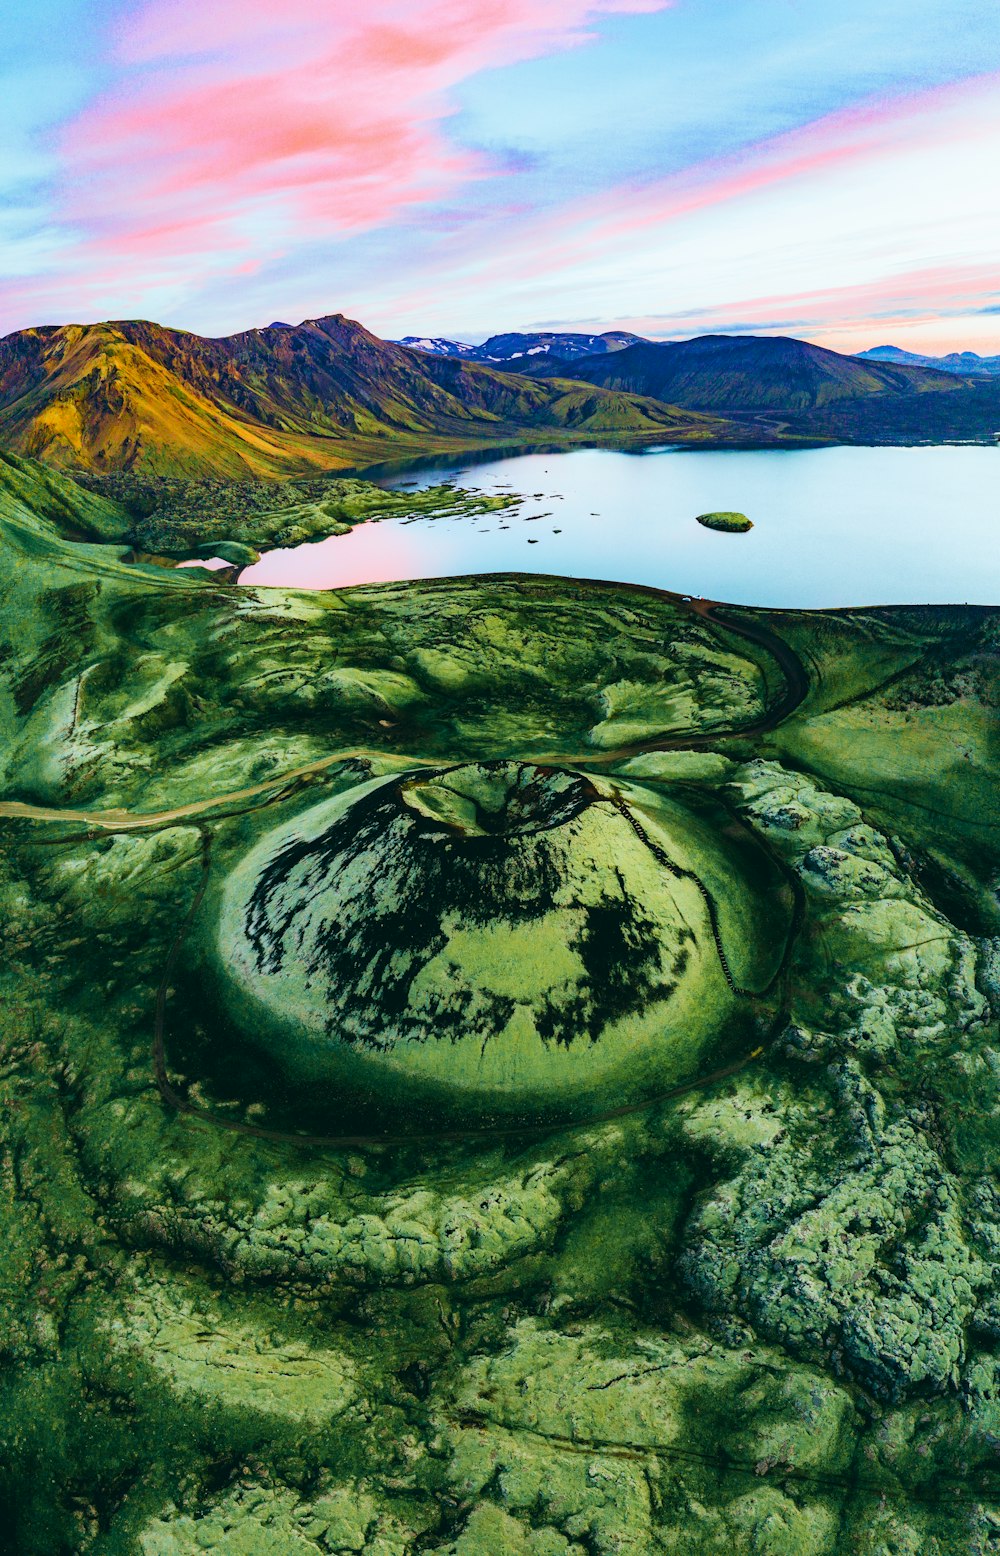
x: 755, y: 374
x: 132, y: 395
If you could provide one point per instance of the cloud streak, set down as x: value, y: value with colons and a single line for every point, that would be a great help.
x: 884, y: 202
x: 249, y: 159
x: 237, y: 131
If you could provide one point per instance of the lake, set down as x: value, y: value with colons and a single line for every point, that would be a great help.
x: 832, y: 526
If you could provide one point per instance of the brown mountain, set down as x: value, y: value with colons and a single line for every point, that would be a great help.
x: 276, y: 401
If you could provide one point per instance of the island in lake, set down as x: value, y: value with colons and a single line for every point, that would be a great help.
x: 728, y: 523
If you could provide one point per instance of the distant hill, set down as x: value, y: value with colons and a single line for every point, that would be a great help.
x: 753, y: 374
x: 964, y: 362
x: 281, y: 400
x: 520, y: 346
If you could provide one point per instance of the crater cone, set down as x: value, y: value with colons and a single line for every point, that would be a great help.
x: 496, y: 938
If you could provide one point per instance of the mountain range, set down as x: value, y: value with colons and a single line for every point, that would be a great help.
x: 327, y: 394
x: 954, y: 362
x: 517, y: 346
x: 748, y: 373
x: 282, y: 400
x: 777, y: 388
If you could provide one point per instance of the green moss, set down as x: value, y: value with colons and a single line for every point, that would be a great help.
x: 490, y: 938
x: 174, y: 516
x: 232, y: 551
x: 244, y: 1310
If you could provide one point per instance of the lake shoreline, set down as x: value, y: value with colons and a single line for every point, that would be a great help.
x: 864, y: 525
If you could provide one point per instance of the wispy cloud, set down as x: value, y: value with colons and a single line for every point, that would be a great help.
x: 251, y: 158
x: 883, y: 205
x: 237, y: 130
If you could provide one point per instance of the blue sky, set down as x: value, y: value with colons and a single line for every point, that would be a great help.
x: 456, y: 167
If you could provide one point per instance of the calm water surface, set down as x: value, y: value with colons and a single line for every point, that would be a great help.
x: 841, y: 526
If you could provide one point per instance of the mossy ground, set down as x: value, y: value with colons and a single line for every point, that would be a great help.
x: 757, y: 1317
x: 172, y: 516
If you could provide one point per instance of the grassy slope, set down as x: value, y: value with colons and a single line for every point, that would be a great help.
x: 29, y: 488
x: 915, y: 736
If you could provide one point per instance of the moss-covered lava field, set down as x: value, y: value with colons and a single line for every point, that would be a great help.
x: 500, y: 1066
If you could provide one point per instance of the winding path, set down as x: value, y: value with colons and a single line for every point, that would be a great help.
x: 796, y: 688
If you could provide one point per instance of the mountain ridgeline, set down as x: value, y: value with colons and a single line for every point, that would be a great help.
x: 327, y: 394
x: 965, y: 362
x: 321, y: 395
x: 521, y: 347
x: 779, y: 389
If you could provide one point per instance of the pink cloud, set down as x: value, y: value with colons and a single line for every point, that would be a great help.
x: 865, y: 134
x: 238, y: 130
x: 876, y: 140
x: 495, y: 32
x: 842, y: 316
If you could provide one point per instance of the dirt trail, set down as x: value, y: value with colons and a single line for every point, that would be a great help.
x: 791, y: 666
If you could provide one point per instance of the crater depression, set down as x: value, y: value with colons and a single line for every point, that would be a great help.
x: 503, y: 937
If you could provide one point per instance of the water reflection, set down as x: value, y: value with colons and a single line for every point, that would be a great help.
x: 843, y: 526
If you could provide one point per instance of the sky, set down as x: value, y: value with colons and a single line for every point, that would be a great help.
x: 464, y: 167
